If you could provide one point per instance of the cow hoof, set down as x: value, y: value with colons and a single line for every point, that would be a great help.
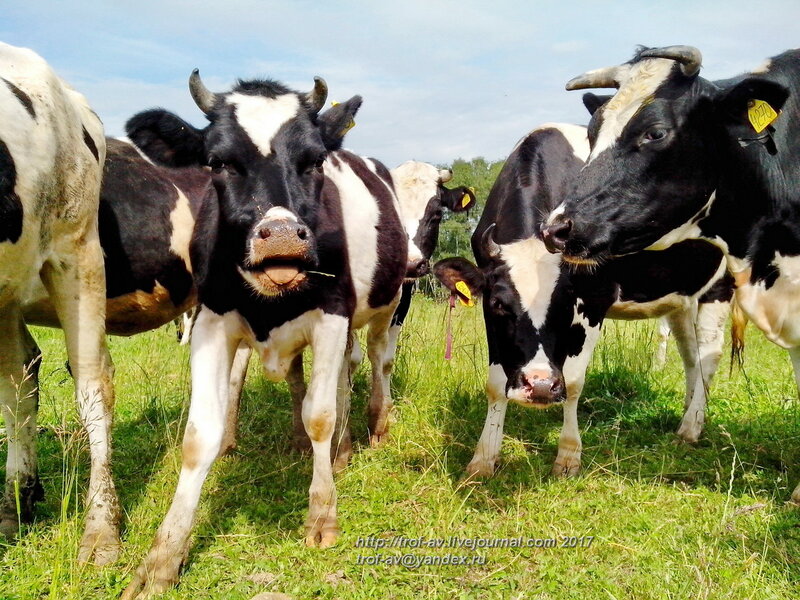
x: 478, y: 468
x: 153, y: 577
x: 321, y: 537
x: 690, y: 434
x: 378, y: 439
x: 563, y: 468
x: 99, y: 547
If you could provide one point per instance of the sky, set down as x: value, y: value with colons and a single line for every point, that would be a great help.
x: 441, y: 79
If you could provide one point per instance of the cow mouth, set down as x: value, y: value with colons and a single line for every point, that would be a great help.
x: 277, y: 276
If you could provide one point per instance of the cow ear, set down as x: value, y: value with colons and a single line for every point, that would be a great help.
x: 460, y: 277
x: 166, y: 139
x: 335, y: 122
x: 593, y: 101
x: 458, y: 199
x: 744, y: 103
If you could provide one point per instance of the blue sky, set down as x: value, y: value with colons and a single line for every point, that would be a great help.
x: 440, y: 79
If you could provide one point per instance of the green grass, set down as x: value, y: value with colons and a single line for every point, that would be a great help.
x: 669, y: 521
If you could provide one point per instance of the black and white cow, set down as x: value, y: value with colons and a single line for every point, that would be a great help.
x: 676, y: 157
x: 299, y: 248
x: 543, y: 316
x: 51, y: 151
x: 423, y: 198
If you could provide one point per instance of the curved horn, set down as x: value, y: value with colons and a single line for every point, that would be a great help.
x: 316, y: 97
x: 491, y: 247
x: 689, y: 57
x: 202, y: 96
x: 607, y: 77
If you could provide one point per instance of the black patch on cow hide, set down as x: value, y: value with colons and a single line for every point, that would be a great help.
x: 87, y: 139
x: 10, y: 204
x: 24, y: 99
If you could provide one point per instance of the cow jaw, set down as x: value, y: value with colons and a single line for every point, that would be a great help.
x: 275, y: 278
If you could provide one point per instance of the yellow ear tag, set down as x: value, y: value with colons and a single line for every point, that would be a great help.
x: 760, y: 114
x: 334, y: 103
x: 465, y: 200
x: 464, y: 290
x: 349, y: 126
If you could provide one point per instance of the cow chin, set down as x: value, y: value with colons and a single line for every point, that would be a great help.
x: 275, y: 279
x: 529, y: 400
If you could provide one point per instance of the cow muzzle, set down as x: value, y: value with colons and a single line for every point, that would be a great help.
x: 281, y: 251
x: 417, y: 268
x: 537, y: 389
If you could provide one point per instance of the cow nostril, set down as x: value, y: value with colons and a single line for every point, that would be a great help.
x: 302, y: 233
x: 264, y: 233
x: 556, y: 235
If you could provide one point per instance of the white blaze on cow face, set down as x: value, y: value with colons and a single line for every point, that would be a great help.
x: 279, y: 213
x: 644, y: 78
x: 261, y: 117
x: 534, y: 273
x: 416, y: 183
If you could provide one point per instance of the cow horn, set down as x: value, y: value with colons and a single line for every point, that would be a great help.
x: 607, y: 77
x: 202, y: 96
x: 689, y: 57
x: 491, y: 247
x: 316, y: 98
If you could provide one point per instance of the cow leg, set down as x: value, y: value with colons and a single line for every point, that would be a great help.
x: 342, y: 444
x: 487, y: 452
x: 214, y: 343
x: 568, y: 459
x: 19, y: 399
x: 238, y: 374
x: 699, y: 333
x: 380, y: 401
x: 77, y: 290
x: 660, y: 357
x: 328, y: 343
x: 794, y: 354
x: 295, y: 377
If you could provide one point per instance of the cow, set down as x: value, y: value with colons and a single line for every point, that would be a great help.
x: 300, y: 247
x: 677, y: 157
x: 543, y: 316
x: 52, y: 148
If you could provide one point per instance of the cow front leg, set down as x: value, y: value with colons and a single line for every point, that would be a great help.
x: 380, y: 400
x: 19, y: 399
x: 568, y: 459
x: 328, y: 343
x: 78, y: 292
x: 699, y: 333
x: 214, y: 343
x: 295, y: 378
x: 238, y: 374
x: 487, y: 452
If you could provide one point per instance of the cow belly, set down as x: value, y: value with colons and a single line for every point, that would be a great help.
x: 125, y: 315
x: 630, y: 310
x: 775, y: 310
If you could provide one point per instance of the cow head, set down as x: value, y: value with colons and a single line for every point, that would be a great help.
x: 533, y: 321
x: 264, y: 147
x: 659, y: 147
x: 423, y: 197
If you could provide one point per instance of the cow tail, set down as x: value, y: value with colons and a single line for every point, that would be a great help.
x: 738, y: 325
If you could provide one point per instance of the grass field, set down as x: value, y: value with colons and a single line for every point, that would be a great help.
x: 667, y: 520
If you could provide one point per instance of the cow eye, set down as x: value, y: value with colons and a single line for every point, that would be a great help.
x: 498, y: 307
x: 320, y: 161
x: 656, y: 134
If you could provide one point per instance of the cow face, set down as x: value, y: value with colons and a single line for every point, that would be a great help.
x: 264, y: 148
x: 532, y: 322
x: 658, y: 149
x: 423, y: 198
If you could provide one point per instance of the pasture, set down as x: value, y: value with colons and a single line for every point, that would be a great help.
x: 666, y: 520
